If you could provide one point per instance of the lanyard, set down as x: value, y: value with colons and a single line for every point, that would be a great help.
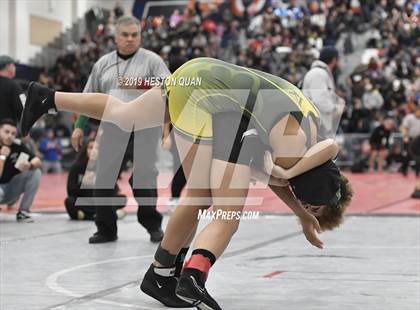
x: 120, y: 77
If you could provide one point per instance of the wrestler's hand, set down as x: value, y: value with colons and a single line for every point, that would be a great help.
x: 272, y: 169
x: 77, y: 138
x: 278, y: 182
x: 310, y: 227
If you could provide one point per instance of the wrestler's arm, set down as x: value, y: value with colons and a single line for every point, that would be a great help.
x: 286, y: 195
x: 263, y: 177
x: 166, y: 130
x: 166, y: 137
x: 315, y: 156
x: 309, y: 222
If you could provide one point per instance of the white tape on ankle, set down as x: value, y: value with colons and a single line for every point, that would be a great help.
x: 165, y: 272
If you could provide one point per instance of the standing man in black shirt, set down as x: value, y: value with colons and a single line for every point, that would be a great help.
x: 11, y: 94
x: 19, y: 171
x: 379, y: 143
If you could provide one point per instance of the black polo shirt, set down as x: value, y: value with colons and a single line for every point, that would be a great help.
x: 9, y: 170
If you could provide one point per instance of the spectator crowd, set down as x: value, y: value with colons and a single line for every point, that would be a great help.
x: 283, y: 39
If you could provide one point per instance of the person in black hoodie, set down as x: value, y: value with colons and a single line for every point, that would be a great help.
x: 379, y: 143
x: 80, y: 174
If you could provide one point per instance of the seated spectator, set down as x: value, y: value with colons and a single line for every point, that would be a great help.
x: 396, y: 160
x: 361, y: 153
x: 372, y: 98
x: 379, y: 143
x: 360, y: 118
x: 175, y: 18
x: 51, y: 149
x: 18, y: 175
x: 118, y: 10
x: 80, y: 174
x: 45, y: 79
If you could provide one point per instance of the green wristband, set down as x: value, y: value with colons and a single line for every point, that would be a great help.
x: 81, y: 122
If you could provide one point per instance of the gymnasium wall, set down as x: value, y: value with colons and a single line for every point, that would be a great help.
x: 50, y: 17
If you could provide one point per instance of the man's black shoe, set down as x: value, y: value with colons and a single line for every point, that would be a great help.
x: 162, y: 288
x: 416, y: 194
x: 156, y: 236
x: 24, y: 217
x: 99, y: 238
x: 190, y: 290
x: 40, y: 100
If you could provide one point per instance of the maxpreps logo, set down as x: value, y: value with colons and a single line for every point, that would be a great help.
x: 228, y: 215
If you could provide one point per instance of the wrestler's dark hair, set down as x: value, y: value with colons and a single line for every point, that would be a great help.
x: 333, y: 215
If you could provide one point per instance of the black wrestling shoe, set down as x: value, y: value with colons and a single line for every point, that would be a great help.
x: 190, y: 290
x: 156, y: 236
x: 99, y: 238
x: 162, y: 288
x: 40, y: 101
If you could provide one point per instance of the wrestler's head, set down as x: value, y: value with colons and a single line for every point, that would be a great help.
x: 325, y: 193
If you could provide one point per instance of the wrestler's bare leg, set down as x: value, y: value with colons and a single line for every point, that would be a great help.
x: 196, y: 161
x: 146, y: 111
x: 229, y: 183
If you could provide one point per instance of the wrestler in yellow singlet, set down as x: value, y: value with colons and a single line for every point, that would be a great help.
x: 203, y: 87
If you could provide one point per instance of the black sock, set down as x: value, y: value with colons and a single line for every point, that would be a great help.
x: 164, y: 258
x: 179, y: 262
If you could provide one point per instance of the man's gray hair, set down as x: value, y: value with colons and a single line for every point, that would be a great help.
x: 127, y: 21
